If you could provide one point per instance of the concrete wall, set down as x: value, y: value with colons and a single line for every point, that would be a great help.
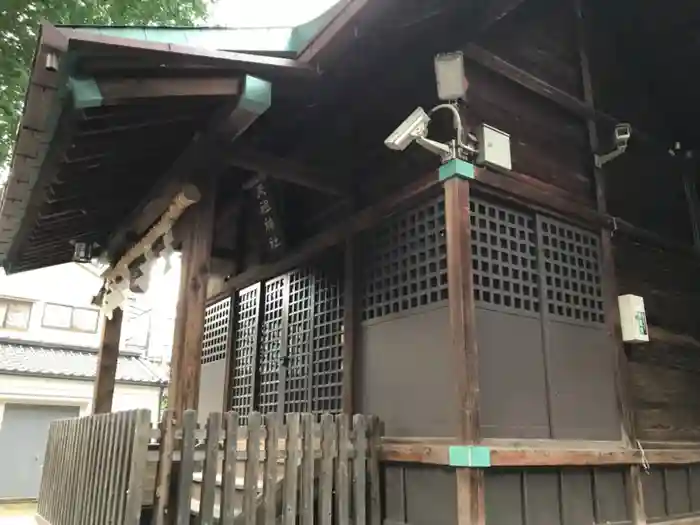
x: 73, y: 392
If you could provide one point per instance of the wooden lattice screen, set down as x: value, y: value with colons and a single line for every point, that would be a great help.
x: 287, y: 344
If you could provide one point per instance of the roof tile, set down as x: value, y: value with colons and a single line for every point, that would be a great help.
x: 74, y: 363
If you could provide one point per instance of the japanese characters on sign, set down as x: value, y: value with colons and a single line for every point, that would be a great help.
x: 272, y: 227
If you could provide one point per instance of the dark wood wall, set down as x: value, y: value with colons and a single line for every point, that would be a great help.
x: 575, y: 496
x: 548, y: 143
x: 645, y: 187
x: 665, y: 374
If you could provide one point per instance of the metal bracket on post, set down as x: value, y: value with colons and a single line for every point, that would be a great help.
x: 456, y: 168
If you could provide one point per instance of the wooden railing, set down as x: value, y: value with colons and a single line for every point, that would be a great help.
x: 93, y: 469
x: 298, y: 470
x: 301, y: 469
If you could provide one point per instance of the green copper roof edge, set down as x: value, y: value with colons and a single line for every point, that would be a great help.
x: 304, y: 33
x: 261, y: 39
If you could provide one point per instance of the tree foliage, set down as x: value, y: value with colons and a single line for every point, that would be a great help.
x: 19, y: 27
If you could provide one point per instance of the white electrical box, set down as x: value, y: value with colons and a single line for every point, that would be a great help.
x: 494, y: 148
x: 633, y: 319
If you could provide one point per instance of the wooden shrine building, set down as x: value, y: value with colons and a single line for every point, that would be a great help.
x: 322, y: 272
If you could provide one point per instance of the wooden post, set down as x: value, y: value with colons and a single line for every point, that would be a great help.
x: 635, y: 496
x: 470, y: 482
x: 350, y: 326
x: 103, y: 390
x: 197, y: 231
x: 691, y: 195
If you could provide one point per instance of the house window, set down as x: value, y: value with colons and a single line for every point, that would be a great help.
x: 15, y: 314
x: 70, y: 318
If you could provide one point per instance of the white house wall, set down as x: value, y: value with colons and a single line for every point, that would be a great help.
x: 70, y: 392
x: 75, y: 285
x: 66, y: 284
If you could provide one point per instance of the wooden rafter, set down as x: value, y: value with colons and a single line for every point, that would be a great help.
x: 286, y: 170
x: 128, y: 90
x: 495, y: 11
x: 259, y: 65
x: 570, y: 103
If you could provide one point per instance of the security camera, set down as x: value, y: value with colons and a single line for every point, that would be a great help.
x: 622, y: 135
x: 623, y: 132
x: 416, y: 125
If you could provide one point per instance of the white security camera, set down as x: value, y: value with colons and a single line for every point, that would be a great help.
x: 623, y: 132
x: 622, y: 135
x: 416, y: 125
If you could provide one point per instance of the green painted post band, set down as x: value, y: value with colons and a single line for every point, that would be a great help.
x: 456, y: 168
x: 86, y: 92
x: 257, y: 96
x: 469, y: 456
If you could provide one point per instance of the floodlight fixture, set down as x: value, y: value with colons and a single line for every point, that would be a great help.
x: 450, y: 77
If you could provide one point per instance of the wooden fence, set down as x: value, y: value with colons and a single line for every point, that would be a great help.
x: 93, y: 469
x: 300, y: 469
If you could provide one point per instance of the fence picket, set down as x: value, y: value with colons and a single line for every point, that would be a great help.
x: 100, y: 471
x: 81, y: 428
x: 210, y: 470
x: 228, y: 485
x: 252, y: 468
x: 137, y: 469
x: 189, y: 427
x: 342, y: 471
x: 127, y: 432
x: 359, y: 472
x: 120, y: 422
x: 291, y: 469
x: 375, y: 433
x: 161, y: 495
x: 72, y: 474
x: 307, y: 469
x: 270, y: 480
x: 91, y: 502
x: 65, y: 433
x: 328, y: 446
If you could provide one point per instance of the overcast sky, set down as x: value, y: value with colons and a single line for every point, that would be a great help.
x: 266, y: 13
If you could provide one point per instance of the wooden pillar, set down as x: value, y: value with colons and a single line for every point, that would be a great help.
x: 465, y: 362
x: 350, y: 326
x: 196, y: 231
x: 635, y: 495
x: 690, y: 188
x: 103, y: 389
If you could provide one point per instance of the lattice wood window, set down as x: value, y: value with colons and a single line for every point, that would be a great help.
x: 296, y: 388
x: 216, y: 330
x: 504, y: 258
x: 405, y: 264
x: 246, y: 338
x: 572, y: 271
x: 271, y: 345
x: 328, y: 346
